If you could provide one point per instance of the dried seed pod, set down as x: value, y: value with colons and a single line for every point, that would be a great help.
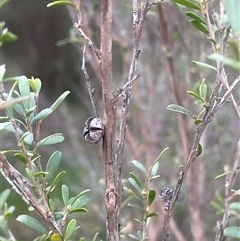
x: 166, y: 194
x: 93, y: 130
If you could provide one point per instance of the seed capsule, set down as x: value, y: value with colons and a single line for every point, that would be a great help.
x: 93, y: 130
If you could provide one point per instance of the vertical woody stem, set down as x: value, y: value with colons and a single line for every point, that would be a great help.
x: 112, y: 202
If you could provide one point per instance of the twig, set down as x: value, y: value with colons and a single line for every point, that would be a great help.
x: 229, y: 182
x: 79, y: 25
x: 210, y: 112
x: 89, y: 87
x: 120, y: 91
x: 139, y: 15
x: 23, y: 187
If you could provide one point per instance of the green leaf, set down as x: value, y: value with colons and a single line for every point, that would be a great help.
x: 234, y: 206
x: 158, y: 158
x: 4, y: 226
x: 198, y: 121
x: 3, y: 2
x: 52, y: 164
x: 139, y: 166
x: 78, y: 210
x: 30, y: 111
x: 32, y: 223
x: 135, y: 182
x: 8, y: 37
x: 202, y: 64
x: 199, y: 26
x: 21, y: 157
x: 24, y: 89
x: 133, y: 236
x: 195, y: 17
x: 227, y: 61
x: 4, y: 125
x: 65, y: 194
x: 27, y: 137
x: 2, y: 72
x: 139, y: 234
x: 50, y: 140
x: 60, y: 99
x: 79, y: 202
x: 232, y: 10
x: 154, y: 169
x: 151, y: 196
x: 71, y: 227
x: 38, y: 174
x: 133, y: 205
x: 9, y: 213
x: 203, y: 90
x: 95, y: 237
x: 194, y: 95
x: 222, y: 175
x: 55, y: 181
x: 233, y: 232
x: 154, y: 177
x: 199, y: 151
x: 152, y: 214
x: 35, y: 84
x: 42, y: 115
x: 9, y: 127
x: 83, y: 193
x: 56, y: 237
x: 188, y: 4
x: 61, y: 2
x: 180, y: 109
x: 4, y: 196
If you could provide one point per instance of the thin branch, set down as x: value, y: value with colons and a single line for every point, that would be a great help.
x: 139, y: 15
x: 229, y: 182
x: 79, y: 25
x: 22, y: 186
x: 210, y: 112
x: 89, y: 87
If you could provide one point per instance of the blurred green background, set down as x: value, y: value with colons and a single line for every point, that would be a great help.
x: 48, y: 47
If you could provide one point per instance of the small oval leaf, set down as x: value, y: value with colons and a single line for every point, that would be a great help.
x: 151, y: 196
x: 153, y: 214
x: 235, y: 64
x: 32, y: 223
x: 187, y: 4
x: 65, y: 194
x: 78, y: 210
x: 50, y: 140
x: 180, y: 109
x: 56, y: 237
x: 55, y: 181
x: 60, y: 99
x: 195, y: 17
x: 233, y: 232
x: 71, y: 227
x: 135, y: 182
x: 202, y: 64
x: 199, y: 26
x: 53, y: 163
x: 42, y: 115
x: 139, y: 166
x: 199, y: 151
x: 4, y: 196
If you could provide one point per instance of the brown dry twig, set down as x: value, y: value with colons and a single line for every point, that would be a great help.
x: 79, y: 25
x: 89, y: 86
x: 23, y: 187
x: 229, y: 182
x: 209, y: 114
